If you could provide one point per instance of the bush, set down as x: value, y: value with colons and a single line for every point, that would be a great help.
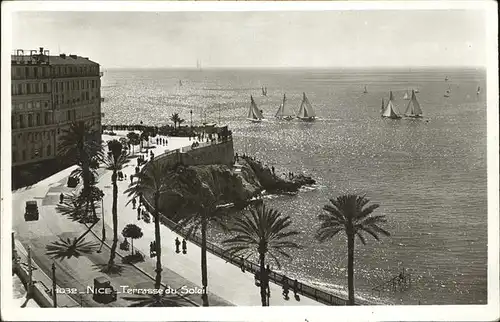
x: 132, y: 259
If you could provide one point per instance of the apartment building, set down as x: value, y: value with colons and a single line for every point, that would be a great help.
x: 48, y: 94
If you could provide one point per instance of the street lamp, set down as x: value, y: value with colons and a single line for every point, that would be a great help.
x: 191, y: 112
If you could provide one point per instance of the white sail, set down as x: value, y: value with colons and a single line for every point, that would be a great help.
x: 254, y: 113
x: 282, y: 112
x: 306, y: 110
x: 365, y: 91
x: 406, y: 96
x: 390, y: 110
x: 478, y: 90
x: 413, y: 109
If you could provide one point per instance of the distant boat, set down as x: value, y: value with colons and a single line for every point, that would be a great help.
x: 365, y: 91
x: 264, y: 91
x: 390, y: 109
x: 383, y: 106
x: 478, y: 90
x: 306, y: 111
x: 198, y: 65
x: 283, y: 114
x: 417, y: 90
x: 446, y: 79
x: 413, y: 109
x: 254, y: 114
x: 180, y: 82
x: 406, y: 96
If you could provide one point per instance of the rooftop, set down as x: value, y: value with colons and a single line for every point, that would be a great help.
x: 43, y: 57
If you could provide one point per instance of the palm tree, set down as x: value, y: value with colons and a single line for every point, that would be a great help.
x: 346, y: 213
x: 261, y: 232
x: 208, y: 211
x: 79, y: 145
x: 115, y: 161
x: 175, y: 118
x: 133, y: 139
x: 76, y: 208
x: 154, y: 181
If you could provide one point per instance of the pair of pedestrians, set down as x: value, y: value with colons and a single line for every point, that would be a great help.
x: 178, y: 244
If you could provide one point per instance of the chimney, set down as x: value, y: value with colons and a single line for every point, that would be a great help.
x: 73, y: 56
x: 63, y: 56
x: 41, y: 50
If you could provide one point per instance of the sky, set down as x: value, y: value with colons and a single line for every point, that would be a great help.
x: 370, y: 38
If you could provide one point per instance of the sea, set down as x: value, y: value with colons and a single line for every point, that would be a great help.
x: 428, y: 175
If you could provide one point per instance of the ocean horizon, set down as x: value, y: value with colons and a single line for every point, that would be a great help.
x: 428, y: 175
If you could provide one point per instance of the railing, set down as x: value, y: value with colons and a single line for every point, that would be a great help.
x: 306, y: 290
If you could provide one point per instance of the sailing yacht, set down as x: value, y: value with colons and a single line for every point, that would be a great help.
x: 413, y: 109
x: 390, y: 109
x: 365, y: 90
x: 306, y: 111
x: 406, y: 96
x: 283, y: 114
x: 254, y: 114
x: 180, y: 82
x: 264, y: 91
x: 478, y: 90
x: 417, y: 90
x: 446, y: 79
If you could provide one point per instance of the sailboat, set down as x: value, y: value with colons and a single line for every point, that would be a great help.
x: 198, y: 65
x: 283, y: 114
x: 390, y: 109
x: 406, y: 96
x: 446, y: 79
x: 383, y: 106
x: 306, y: 111
x: 413, y: 109
x: 365, y: 91
x: 254, y: 114
x: 478, y: 90
x: 417, y: 90
x: 180, y: 82
x: 264, y: 91
x: 448, y: 92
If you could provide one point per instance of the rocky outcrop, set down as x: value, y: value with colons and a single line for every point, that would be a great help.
x: 233, y: 184
x: 274, y: 183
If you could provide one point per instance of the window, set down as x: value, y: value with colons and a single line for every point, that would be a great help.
x: 21, y: 106
x: 45, y: 88
x: 36, y: 137
x: 58, y: 131
x: 30, y: 120
x: 14, y: 155
x: 35, y: 70
x: 49, y: 150
x: 24, y: 155
x: 38, y: 119
x: 37, y: 105
x: 68, y: 115
x: 26, y: 72
x: 29, y: 88
x: 67, y: 86
x: 29, y: 105
x: 13, y: 122
x: 87, y: 96
x: 46, y: 104
x: 21, y: 121
x: 18, y: 71
x: 19, y: 89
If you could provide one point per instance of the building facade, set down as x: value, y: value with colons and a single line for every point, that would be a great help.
x: 48, y: 94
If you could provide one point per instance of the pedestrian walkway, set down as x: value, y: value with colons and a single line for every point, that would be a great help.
x: 224, y: 279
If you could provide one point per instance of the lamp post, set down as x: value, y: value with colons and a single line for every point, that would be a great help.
x: 102, y: 218
x: 191, y: 112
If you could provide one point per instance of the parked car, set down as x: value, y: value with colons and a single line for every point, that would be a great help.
x: 31, y: 213
x: 103, y: 291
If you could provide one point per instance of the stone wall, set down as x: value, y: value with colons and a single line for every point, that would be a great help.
x: 217, y: 153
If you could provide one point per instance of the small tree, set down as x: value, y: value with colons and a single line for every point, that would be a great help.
x: 133, y: 139
x: 133, y: 232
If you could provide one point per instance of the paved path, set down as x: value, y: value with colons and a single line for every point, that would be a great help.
x: 227, y: 285
x: 224, y: 279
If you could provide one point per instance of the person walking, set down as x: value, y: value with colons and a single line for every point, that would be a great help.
x: 242, y: 264
x: 267, y: 272
x: 295, y: 287
x: 272, y: 168
x: 177, y: 245
x: 284, y: 281
x: 133, y: 203
x: 184, y: 246
x: 139, y: 213
x: 61, y: 198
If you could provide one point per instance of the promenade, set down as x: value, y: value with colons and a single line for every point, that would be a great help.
x: 227, y: 284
